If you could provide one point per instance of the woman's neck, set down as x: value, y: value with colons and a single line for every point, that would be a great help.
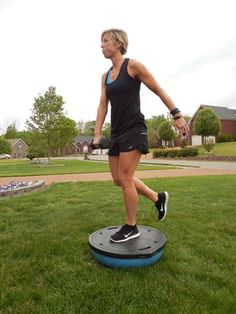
x: 117, y: 62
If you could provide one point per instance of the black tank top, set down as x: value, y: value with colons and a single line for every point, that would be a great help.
x: 124, y: 96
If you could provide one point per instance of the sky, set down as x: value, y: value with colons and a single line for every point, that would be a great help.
x: 188, y: 45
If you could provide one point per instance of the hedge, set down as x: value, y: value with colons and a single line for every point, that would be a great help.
x: 224, y: 137
x: 175, y: 152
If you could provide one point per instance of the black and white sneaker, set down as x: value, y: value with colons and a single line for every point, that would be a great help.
x: 125, y: 233
x: 161, y: 205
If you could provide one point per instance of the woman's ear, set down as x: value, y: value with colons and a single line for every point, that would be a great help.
x: 118, y: 45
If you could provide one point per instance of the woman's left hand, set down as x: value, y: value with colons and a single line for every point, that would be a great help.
x: 182, y: 126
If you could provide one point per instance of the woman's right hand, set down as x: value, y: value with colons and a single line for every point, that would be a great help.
x: 96, y: 140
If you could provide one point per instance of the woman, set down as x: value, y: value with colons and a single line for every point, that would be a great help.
x: 121, y: 87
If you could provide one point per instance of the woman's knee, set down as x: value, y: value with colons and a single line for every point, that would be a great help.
x: 121, y: 181
x: 125, y: 181
x: 117, y: 181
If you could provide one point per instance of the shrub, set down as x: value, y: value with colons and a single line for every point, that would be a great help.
x: 156, y: 153
x: 183, y: 153
x: 190, y: 151
x: 175, y: 152
x: 222, y: 138
x: 30, y: 156
x: 208, y: 145
x: 160, y: 153
x: 172, y: 153
x: 5, y: 146
x: 183, y: 142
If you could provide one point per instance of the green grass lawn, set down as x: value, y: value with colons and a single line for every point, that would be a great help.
x: 46, y: 265
x: 221, y: 149
x: 19, y: 167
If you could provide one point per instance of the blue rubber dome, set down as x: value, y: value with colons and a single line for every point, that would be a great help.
x: 142, y: 251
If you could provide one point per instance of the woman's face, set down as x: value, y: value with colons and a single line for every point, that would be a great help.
x: 108, y: 46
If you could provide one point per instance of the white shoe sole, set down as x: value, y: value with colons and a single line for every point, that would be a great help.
x: 126, y: 239
x: 165, y: 208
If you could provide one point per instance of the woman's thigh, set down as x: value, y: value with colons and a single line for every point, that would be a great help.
x: 114, y: 166
x: 128, y: 162
x: 123, y: 167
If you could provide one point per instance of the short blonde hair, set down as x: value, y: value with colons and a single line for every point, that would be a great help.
x: 120, y: 36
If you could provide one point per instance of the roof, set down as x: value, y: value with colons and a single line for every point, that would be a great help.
x: 14, y: 141
x: 83, y: 138
x: 223, y: 113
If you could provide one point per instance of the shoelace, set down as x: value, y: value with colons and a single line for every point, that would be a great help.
x: 122, y: 229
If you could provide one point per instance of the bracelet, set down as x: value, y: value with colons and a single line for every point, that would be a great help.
x: 174, y: 111
x: 178, y: 117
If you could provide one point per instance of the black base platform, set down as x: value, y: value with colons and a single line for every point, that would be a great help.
x: 142, y: 251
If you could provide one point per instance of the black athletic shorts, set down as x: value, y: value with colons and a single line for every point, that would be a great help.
x: 128, y: 141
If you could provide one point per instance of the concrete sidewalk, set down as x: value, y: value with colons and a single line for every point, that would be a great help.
x: 224, y: 165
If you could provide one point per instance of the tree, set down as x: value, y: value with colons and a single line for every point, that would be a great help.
x: 152, y: 138
x: 67, y: 130
x: 89, y: 127
x: 106, y: 130
x: 153, y: 125
x: 5, y: 146
x: 11, y: 131
x: 80, y: 127
x: 166, y: 132
x: 46, y: 117
x: 37, y: 146
x: 206, y: 123
x: 9, y: 126
x: 187, y: 118
x: 154, y: 122
x: 25, y: 136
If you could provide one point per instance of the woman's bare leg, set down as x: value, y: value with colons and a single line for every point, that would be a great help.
x: 145, y: 191
x: 122, y: 169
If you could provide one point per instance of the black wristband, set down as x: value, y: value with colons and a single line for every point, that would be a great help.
x: 174, y: 111
x: 178, y: 117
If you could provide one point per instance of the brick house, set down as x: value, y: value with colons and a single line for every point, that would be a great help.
x: 227, y: 119
x: 82, y: 143
x: 19, y: 148
x: 79, y: 146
